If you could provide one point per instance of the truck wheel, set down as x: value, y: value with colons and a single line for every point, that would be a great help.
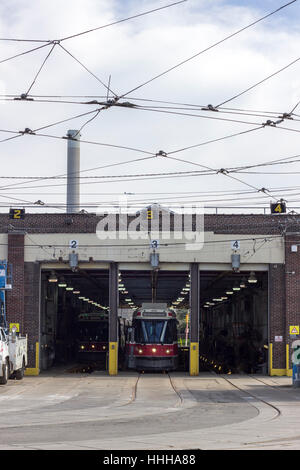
x: 5, y: 376
x: 19, y: 374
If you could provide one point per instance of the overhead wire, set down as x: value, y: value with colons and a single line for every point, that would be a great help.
x: 88, y: 70
x: 25, y: 52
x: 207, y: 48
x: 285, y: 160
x: 224, y: 172
x: 40, y: 69
x: 123, y: 20
x: 258, y: 83
x: 81, y: 171
x: 98, y: 110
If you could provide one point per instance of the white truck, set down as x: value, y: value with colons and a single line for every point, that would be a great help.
x: 13, y: 356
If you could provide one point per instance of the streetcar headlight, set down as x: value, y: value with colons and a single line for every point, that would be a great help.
x: 82, y: 347
x: 93, y: 346
x: 154, y: 350
x: 140, y: 351
x: 168, y: 351
x: 104, y: 347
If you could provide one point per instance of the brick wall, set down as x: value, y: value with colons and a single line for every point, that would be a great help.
x: 86, y: 223
x: 32, y: 289
x: 277, y: 313
x: 292, y: 286
x: 15, y: 297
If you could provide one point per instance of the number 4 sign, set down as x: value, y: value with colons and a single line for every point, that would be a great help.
x: 235, y: 244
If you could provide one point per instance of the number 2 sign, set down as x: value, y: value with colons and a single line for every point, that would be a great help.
x: 73, y: 244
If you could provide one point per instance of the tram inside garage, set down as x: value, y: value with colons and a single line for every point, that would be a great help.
x: 233, y: 315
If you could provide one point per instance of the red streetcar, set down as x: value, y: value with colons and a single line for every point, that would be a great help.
x: 92, y: 335
x: 152, y: 339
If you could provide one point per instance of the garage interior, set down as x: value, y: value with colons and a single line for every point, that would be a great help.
x: 66, y: 294
x: 233, y: 334
x: 233, y: 318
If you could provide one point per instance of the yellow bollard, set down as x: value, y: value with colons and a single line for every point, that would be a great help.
x: 194, y: 359
x: 113, y: 358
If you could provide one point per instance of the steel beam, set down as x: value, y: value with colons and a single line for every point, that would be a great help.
x: 113, y: 319
x: 194, y: 318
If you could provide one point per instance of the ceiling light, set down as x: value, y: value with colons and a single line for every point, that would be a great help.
x: 252, y: 279
x: 52, y: 277
x: 62, y: 282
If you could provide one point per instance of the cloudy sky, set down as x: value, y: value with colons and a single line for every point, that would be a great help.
x: 129, y: 54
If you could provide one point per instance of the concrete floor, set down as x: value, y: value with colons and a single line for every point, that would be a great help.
x: 62, y: 410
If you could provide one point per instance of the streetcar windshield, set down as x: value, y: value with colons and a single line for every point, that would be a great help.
x: 155, y: 331
x: 92, y: 331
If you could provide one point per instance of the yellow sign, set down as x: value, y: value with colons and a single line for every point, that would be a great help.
x: 16, y: 326
x: 294, y: 330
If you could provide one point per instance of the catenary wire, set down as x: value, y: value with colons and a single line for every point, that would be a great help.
x: 207, y: 49
x: 40, y: 69
x: 123, y: 20
x: 258, y: 83
x: 89, y: 71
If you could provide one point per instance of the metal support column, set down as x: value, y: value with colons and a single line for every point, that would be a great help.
x: 113, y: 319
x: 194, y: 318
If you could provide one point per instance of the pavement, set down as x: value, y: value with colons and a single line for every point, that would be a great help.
x: 58, y: 410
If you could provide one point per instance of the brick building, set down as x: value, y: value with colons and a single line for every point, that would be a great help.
x: 269, y: 243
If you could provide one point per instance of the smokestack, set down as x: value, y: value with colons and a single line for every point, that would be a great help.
x: 73, y: 175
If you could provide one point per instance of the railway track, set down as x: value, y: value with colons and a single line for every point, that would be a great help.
x: 252, y: 395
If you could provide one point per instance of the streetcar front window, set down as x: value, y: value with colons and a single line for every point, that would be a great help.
x: 155, y: 331
x: 92, y: 331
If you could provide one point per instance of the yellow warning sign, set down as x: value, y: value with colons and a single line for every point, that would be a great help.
x: 294, y: 330
x: 16, y: 326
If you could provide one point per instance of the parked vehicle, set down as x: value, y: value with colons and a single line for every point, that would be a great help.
x: 13, y: 355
